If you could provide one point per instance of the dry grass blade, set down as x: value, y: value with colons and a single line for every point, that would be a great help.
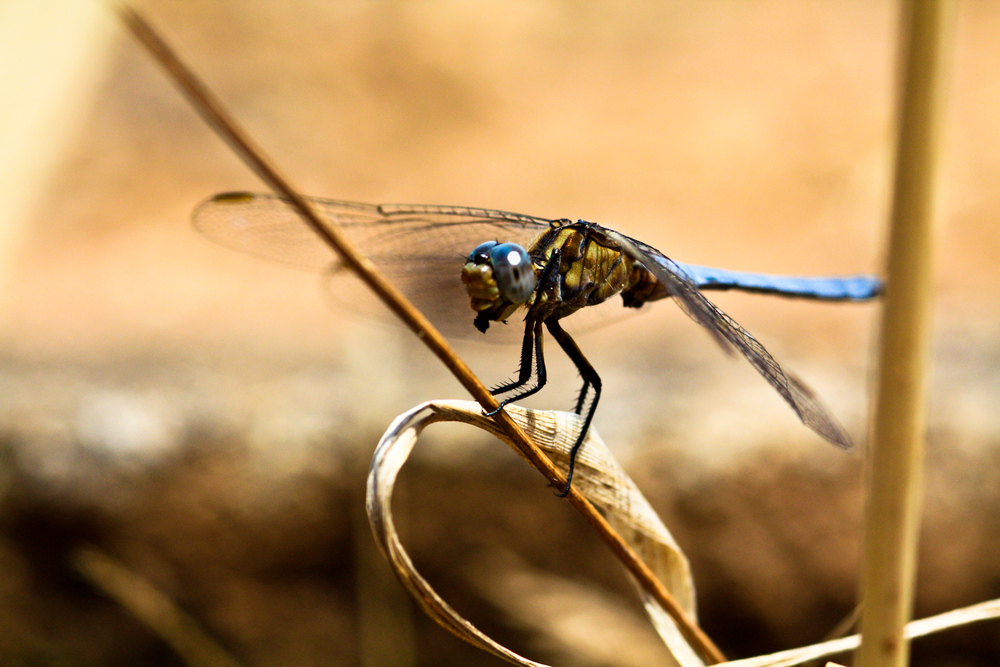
x: 984, y: 611
x: 153, y: 608
x: 600, y: 478
x: 214, y: 114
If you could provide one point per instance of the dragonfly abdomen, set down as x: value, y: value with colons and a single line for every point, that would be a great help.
x: 643, y: 286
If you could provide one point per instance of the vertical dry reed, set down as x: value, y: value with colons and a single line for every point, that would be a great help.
x: 895, y: 475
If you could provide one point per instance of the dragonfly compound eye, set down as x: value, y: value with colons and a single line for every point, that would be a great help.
x: 481, y: 255
x: 513, y: 271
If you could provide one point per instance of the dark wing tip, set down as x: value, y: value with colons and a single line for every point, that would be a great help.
x: 233, y: 196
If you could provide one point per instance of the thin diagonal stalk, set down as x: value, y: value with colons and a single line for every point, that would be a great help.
x: 895, y: 476
x: 213, y: 113
x: 152, y: 607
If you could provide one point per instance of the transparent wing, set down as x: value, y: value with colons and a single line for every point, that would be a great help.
x: 731, y: 335
x: 420, y: 248
x: 267, y: 226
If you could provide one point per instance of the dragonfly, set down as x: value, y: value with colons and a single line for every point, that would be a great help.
x: 547, y: 269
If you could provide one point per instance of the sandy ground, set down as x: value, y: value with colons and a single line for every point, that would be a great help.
x: 755, y: 136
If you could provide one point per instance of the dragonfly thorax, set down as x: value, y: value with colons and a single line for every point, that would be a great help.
x: 591, y: 270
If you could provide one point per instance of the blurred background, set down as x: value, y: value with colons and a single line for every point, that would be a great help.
x: 206, y: 419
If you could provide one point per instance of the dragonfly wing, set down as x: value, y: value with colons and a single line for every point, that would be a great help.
x: 731, y: 335
x: 836, y: 288
x: 266, y: 227
x: 420, y: 248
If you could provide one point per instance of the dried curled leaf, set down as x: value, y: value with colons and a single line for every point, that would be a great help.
x: 604, y: 483
x: 598, y: 477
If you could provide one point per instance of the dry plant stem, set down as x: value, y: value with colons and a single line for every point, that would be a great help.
x: 895, y: 475
x: 213, y: 113
x: 153, y: 608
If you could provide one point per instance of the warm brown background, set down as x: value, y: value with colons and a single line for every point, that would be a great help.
x: 207, y: 418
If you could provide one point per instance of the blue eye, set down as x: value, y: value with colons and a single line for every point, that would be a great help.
x: 482, y: 253
x: 512, y: 270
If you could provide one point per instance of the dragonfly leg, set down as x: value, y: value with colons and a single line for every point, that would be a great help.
x: 527, y: 361
x: 532, y: 364
x: 531, y: 345
x: 582, y: 398
x: 590, y: 380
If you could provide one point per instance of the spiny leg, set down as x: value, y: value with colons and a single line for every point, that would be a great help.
x: 531, y: 346
x: 590, y: 379
x: 527, y: 361
x: 582, y: 398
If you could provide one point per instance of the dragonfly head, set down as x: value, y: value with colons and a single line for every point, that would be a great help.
x: 499, y: 277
